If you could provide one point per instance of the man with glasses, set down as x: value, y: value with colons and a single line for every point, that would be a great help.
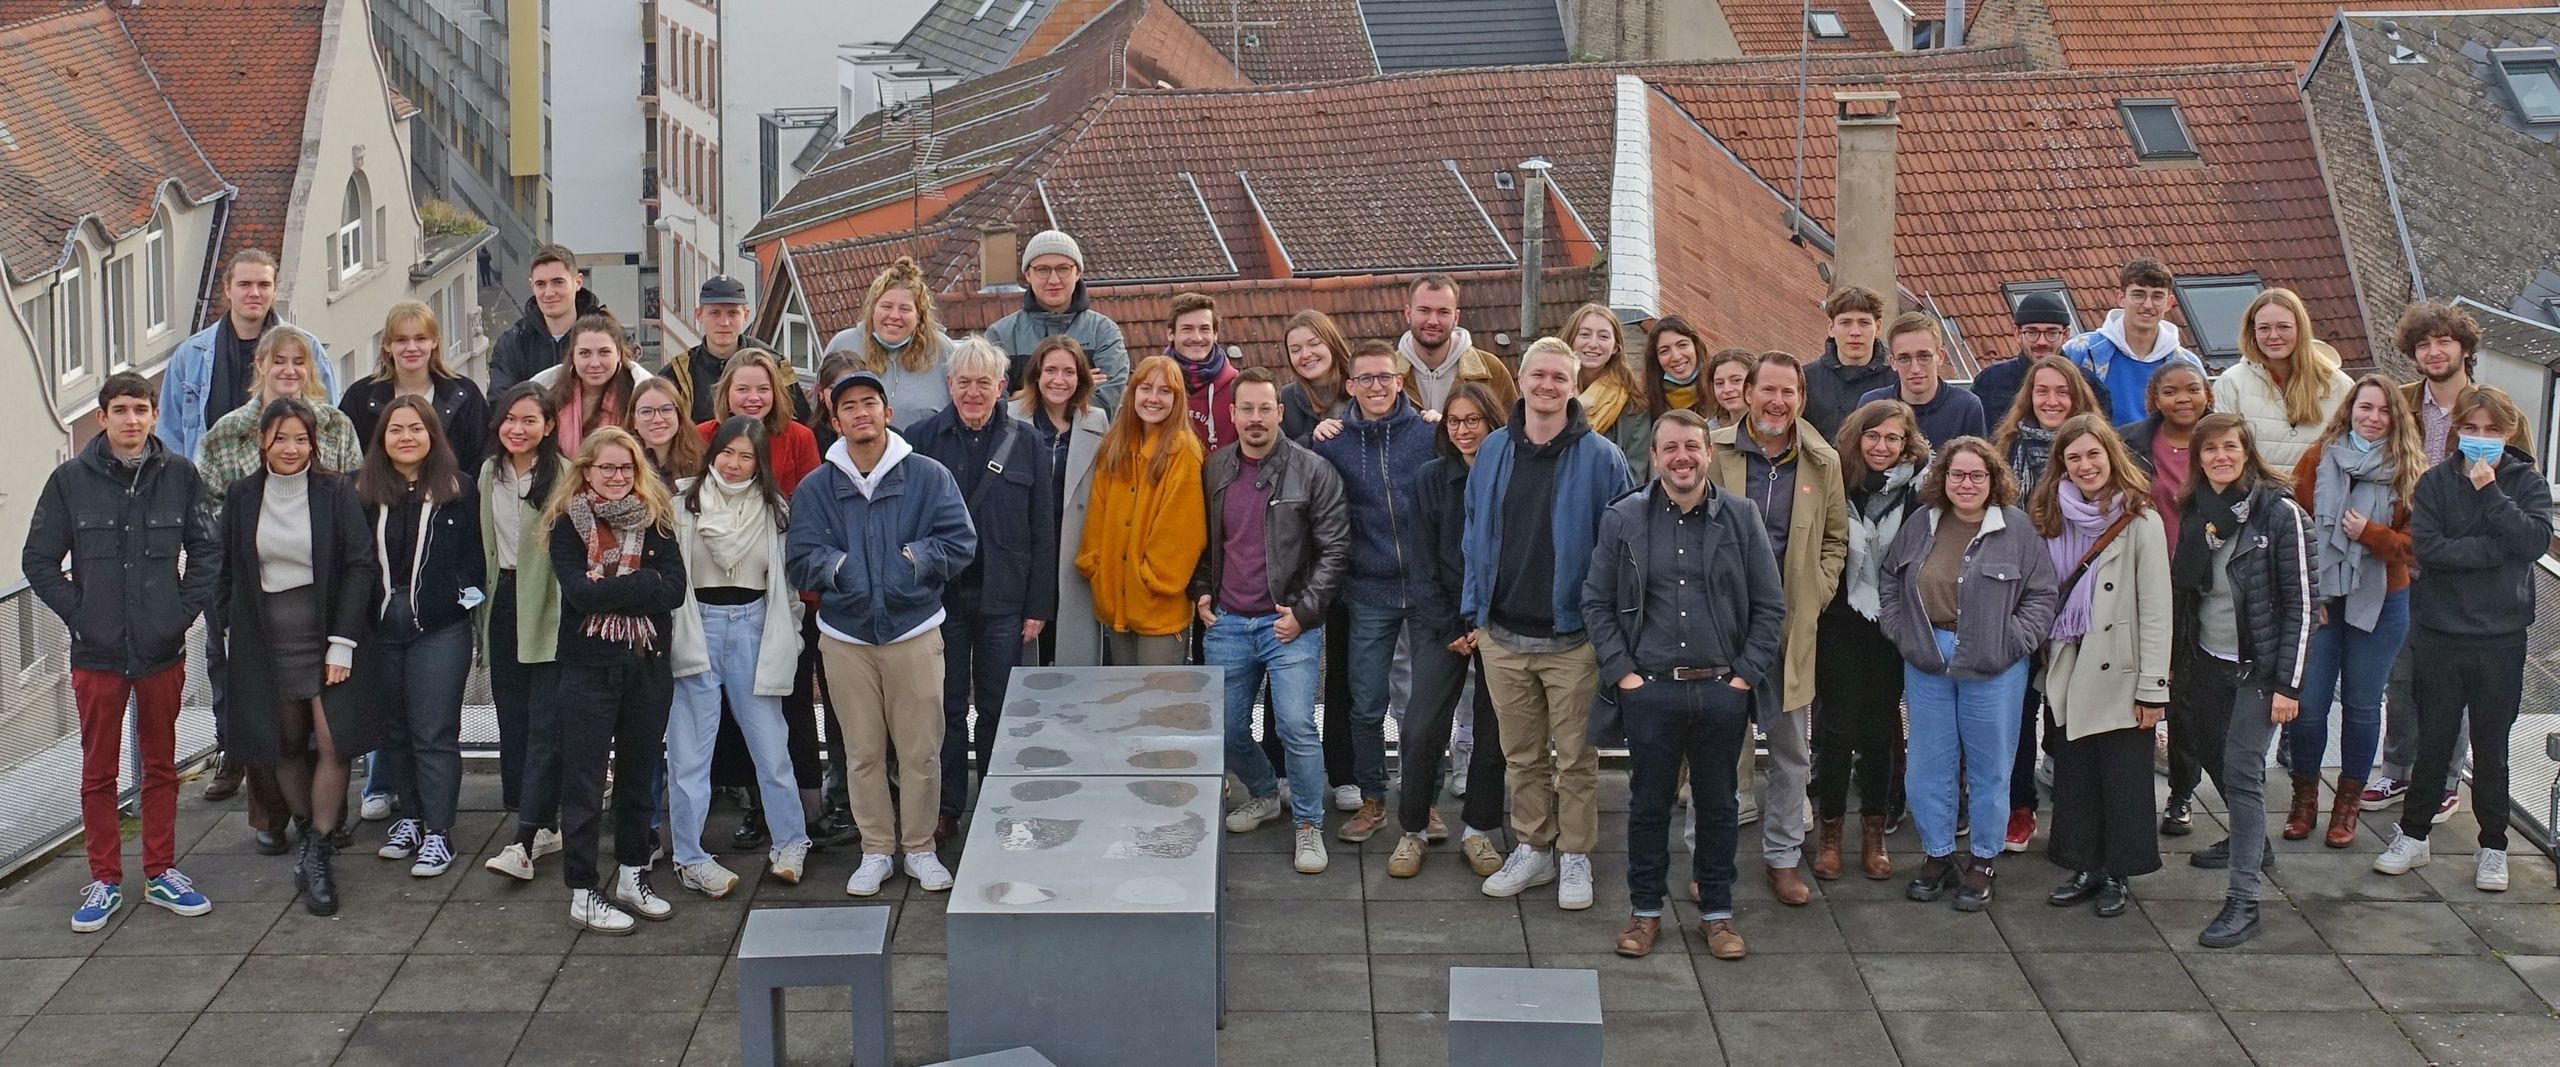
x: 1055, y: 304
x: 1918, y: 350
x: 1382, y: 445
x: 2122, y: 354
x: 2044, y: 324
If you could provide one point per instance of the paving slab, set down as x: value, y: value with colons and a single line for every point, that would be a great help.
x: 1839, y: 1037
x: 606, y: 1039
x: 1800, y: 982
x: 2147, y: 1038
x: 2133, y: 982
x: 306, y: 984
x: 2443, y: 984
x: 2365, y: 927
x: 76, y: 1041
x: 2278, y: 983
x: 1296, y: 1039
x: 139, y: 984
x: 1933, y: 982
x: 427, y: 983
x: 278, y: 1037
x: 1976, y: 1038
x: 2515, y: 1038
x: 433, y: 1039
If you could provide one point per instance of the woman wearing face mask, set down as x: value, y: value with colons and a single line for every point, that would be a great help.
x: 423, y: 515
x: 737, y: 634
x: 1857, y: 722
x: 2053, y: 393
x: 2163, y: 446
x: 298, y: 571
x: 1057, y: 401
x: 1966, y: 593
x: 1673, y: 355
x: 899, y: 341
x: 2479, y: 522
x: 612, y: 542
x: 2106, y: 670
x: 2242, y: 590
x: 1148, y: 522
x: 2287, y: 382
x: 597, y: 380
x: 1612, y: 399
x: 2356, y: 482
x: 1320, y: 375
x: 411, y: 363
x: 657, y: 421
x: 519, y: 625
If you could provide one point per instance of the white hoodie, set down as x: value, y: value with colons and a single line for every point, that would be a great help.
x: 1435, y: 382
x: 842, y: 457
x: 2163, y: 345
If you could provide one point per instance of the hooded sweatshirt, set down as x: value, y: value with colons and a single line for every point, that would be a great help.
x: 878, y: 548
x: 2109, y: 360
x: 1210, y: 387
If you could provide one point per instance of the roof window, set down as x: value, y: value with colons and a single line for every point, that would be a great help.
x: 2214, y: 306
x: 2532, y: 77
x: 1826, y: 25
x: 2158, y: 131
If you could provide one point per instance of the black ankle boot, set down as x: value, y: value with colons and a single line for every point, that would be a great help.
x: 752, y: 835
x: 1936, y: 875
x: 2114, y: 896
x: 2237, y: 923
x: 314, y: 878
x: 1976, y: 894
x: 2178, y: 818
x: 2079, y: 889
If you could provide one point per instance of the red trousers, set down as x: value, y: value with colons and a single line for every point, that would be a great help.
x: 101, y: 696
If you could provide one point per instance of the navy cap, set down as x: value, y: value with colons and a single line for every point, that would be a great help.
x: 722, y: 289
x: 835, y: 394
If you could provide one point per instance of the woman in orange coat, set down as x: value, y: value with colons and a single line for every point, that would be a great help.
x: 1147, y: 522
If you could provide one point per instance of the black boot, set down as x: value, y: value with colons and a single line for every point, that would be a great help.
x: 1976, y: 894
x: 2237, y: 923
x: 1936, y: 875
x: 314, y: 878
x: 834, y: 828
x: 752, y: 835
x: 2079, y: 889
x: 2114, y: 896
x: 2178, y: 818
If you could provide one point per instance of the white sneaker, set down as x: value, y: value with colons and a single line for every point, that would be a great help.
x: 786, y: 863
x: 2406, y: 852
x: 1250, y: 815
x: 2492, y: 875
x: 631, y: 890
x: 434, y: 855
x: 708, y: 878
x: 1524, y: 868
x: 511, y: 861
x: 545, y: 843
x: 928, y: 871
x: 377, y: 807
x: 1311, y: 857
x: 1346, y: 798
x: 1573, y: 882
x: 402, y: 842
x: 867, y: 878
x: 589, y: 910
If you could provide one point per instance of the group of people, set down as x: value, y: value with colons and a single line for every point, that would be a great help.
x: 663, y: 573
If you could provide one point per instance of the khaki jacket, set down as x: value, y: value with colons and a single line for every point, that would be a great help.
x: 2091, y: 686
x: 1817, y: 547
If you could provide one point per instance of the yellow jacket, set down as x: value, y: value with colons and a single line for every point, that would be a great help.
x: 1142, y: 539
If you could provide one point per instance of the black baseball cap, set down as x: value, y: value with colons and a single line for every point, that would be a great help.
x: 722, y: 289
x: 835, y: 393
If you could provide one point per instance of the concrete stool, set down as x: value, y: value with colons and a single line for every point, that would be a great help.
x: 785, y: 948
x: 1012, y: 1057
x: 1529, y: 1017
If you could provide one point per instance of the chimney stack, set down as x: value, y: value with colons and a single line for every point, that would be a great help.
x: 999, y: 255
x: 1868, y: 124
x: 1533, y: 244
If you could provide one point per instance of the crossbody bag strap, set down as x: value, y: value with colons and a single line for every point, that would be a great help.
x: 2091, y: 556
x: 995, y: 470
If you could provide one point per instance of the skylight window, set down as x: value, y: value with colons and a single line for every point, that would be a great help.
x: 1827, y: 24
x: 2158, y: 131
x: 2532, y: 76
x: 2213, y: 307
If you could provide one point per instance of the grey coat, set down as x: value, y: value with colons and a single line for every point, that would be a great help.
x: 2005, y: 598
x: 1079, y: 633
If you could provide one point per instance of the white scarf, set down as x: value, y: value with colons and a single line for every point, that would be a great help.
x: 734, y: 520
x: 1871, y: 531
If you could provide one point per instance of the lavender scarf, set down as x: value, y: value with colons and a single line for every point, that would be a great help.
x: 2082, y: 524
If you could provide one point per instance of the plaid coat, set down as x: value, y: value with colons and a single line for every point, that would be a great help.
x: 229, y: 451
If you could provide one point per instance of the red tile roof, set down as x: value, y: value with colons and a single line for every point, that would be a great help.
x: 2016, y: 177
x: 1777, y: 27
x: 84, y: 135
x: 401, y: 108
x: 1723, y: 249
x: 1288, y: 40
x: 2128, y: 34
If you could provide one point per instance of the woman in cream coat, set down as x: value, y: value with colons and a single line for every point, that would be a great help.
x: 2287, y: 383
x: 2106, y: 673
x: 1057, y: 400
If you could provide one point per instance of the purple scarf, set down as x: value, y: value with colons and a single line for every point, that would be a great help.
x: 2082, y: 523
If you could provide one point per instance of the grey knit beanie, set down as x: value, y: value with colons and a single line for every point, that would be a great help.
x: 1052, y: 243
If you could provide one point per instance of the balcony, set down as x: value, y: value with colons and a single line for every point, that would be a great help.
x: 649, y: 185
x: 648, y: 81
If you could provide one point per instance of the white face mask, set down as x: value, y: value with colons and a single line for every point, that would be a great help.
x: 723, y: 482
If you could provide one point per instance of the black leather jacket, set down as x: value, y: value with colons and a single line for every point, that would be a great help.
x: 1306, y: 529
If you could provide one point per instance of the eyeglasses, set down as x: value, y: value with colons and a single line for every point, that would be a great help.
x: 1371, y: 381
x: 1968, y: 477
x: 1914, y: 359
x: 656, y: 411
x: 616, y: 470
x: 1467, y: 422
x: 1052, y: 271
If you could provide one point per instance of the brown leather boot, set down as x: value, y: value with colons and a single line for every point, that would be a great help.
x: 1826, y: 853
x: 2306, y: 807
x: 1872, y: 860
x: 2342, y: 814
x: 1789, y: 886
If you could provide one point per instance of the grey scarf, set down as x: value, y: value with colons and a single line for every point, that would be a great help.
x: 1871, y: 531
x: 2351, y: 477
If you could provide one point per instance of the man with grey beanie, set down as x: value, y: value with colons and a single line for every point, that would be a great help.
x: 1054, y: 303
x: 2044, y: 323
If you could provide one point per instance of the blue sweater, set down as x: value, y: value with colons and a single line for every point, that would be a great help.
x: 1953, y: 413
x: 1379, y: 461
x: 1591, y: 473
x: 879, y: 562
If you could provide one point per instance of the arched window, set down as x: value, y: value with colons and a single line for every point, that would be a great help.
x: 155, y: 273
x: 71, y: 360
x: 352, y: 252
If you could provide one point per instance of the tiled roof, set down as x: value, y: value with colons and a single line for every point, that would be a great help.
x: 2016, y: 177
x: 954, y: 36
x: 1777, y: 27
x: 1391, y: 218
x: 2130, y: 34
x: 1287, y: 40
x: 1440, y: 34
x: 1731, y: 270
x: 84, y: 134
x: 401, y: 108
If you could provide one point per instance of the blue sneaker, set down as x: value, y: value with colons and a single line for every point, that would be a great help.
x: 173, y: 891
x: 98, y: 903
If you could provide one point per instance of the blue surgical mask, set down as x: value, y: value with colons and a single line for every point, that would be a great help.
x: 2361, y: 442
x: 2483, y: 449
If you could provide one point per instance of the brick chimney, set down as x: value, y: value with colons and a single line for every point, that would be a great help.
x: 1868, y: 124
x: 999, y: 258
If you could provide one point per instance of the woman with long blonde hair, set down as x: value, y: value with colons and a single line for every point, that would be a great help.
x: 410, y: 362
x: 1617, y: 405
x: 1147, y: 523
x: 900, y: 341
x: 2287, y: 382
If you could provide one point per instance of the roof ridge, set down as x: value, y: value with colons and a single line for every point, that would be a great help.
x: 1637, y: 67
x: 2201, y: 70
x: 62, y: 13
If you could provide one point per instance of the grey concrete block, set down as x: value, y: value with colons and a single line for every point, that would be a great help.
x: 1012, y: 1057
x: 788, y: 947
x: 1504, y: 1016
x: 1091, y: 721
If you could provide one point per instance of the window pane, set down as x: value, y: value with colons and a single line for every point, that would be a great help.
x: 2214, y: 311
x: 2537, y: 88
x: 2157, y: 131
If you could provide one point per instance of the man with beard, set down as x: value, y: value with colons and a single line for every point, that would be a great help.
x: 1534, y: 500
x: 1918, y: 351
x: 1207, y: 378
x: 1438, y: 353
x: 2044, y: 323
x: 1777, y: 461
x: 1853, y: 361
x: 1684, y: 608
x: 534, y: 344
x: 1055, y: 304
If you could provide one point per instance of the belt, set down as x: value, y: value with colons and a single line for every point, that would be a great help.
x: 1696, y: 674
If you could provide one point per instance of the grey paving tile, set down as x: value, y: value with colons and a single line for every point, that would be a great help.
x: 2322, y: 1039
x: 2484, y: 1039
x: 1273, y: 876
x: 1906, y: 926
x: 916, y: 984
x: 137, y: 984
x: 488, y: 928
x: 1663, y: 981
x: 2375, y: 927
x: 2148, y: 1038
x: 32, y: 982
x: 1840, y: 1037
x: 1768, y: 927
x: 1648, y: 1038
x: 821, y: 1037
x: 433, y: 1039
x: 366, y: 878
x: 1947, y: 982
x: 2028, y: 924
x: 2542, y: 973
x: 1412, y: 1040
x: 2443, y: 984
x: 614, y: 1039
x: 468, y: 983
x: 1296, y: 926
x: 1445, y: 876
x: 2519, y: 929
x: 306, y: 984
x: 2176, y: 880
x: 2281, y: 929
x: 1799, y: 982
x: 9, y: 1025
x: 232, y: 926
x: 2277, y: 983
x: 1441, y: 927
x: 228, y: 878
x: 2342, y: 876
x: 75, y: 1041
x: 699, y: 927
x: 2529, y: 881
x: 633, y: 983
x: 267, y: 1037
x: 34, y: 929
x: 2111, y: 981
x: 1975, y: 1038
x: 1320, y: 983
x: 1417, y: 983
x: 1295, y: 1039
x: 384, y: 927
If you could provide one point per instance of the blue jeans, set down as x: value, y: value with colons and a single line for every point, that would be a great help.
x: 2350, y: 666
x: 731, y: 633
x: 1250, y: 652
x: 1667, y: 722
x: 1967, y: 722
x: 979, y: 653
x: 1373, y: 657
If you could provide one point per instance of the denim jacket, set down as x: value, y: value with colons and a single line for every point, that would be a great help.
x: 187, y: 378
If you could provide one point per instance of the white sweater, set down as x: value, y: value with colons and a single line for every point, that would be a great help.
x: 2247, y: 390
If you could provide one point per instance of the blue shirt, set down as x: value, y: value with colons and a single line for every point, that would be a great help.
x: 1951, y: 414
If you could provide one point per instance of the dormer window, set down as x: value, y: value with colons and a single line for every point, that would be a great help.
x: 2158, y: 131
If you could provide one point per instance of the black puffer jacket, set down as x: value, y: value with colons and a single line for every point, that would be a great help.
x: 2477, y: 546
x: 1832, y: 388
x: 125, y: 531
x: 527, y: 348
x: 2274, y: 583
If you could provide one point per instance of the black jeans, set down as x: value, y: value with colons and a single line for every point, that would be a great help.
x: 1704, y: 723
x: 2481, y: 676
x: 1439, y: 677
x: 414, y: 682
x: 1335, y: 726
x: 978, y: 654
x: 1857, y: 715
x: 517, y: 688
x: 2022, y: 773
x: 615, y: 714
